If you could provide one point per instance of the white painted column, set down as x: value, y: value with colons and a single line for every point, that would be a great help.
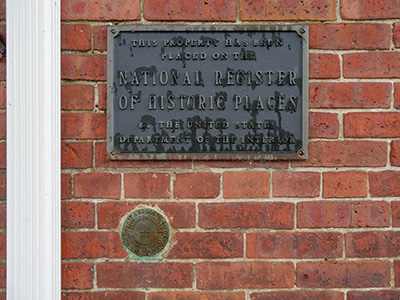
x: 33, y: 150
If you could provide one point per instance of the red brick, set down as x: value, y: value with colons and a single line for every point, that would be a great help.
x: 371, y: 65
x: 294, y: 245
x: 2, y: 275
x: 3, y: 9
x: 295, y: 184
x: 397, y: 95
x: 76, y: 155
x: 91, y: 245
x: 350, y: 36
x: 2, y: 296
x: 397, y: 273
x: 324, y: 66
x: 101, y: 10
x: 76, y: 37
x: 343, y: 214
x: 3, y: 186
x: 77, y: 215
x: 83, y: 126
x: 394, y: 153
x: 144, y: 275
x: 197, y: 185
x: 382, y: 124
x: 97, y: 185
x: 104, y: 162
x: 3, y: 95
x: 100, y: 38
x: 3, y: 125
x: 180, y: 214
x: 244, y: 275
x: 323, y: 125
x: 370, y: 9
x: 102, y: 91
x: 193, y: 10
x: 348, y: 184
x: 268, y: 10
x: 77, y: 275
x: 206, y: 245
x: 396, y: 35
x: 241, y: 164
x: 66, y: 186
x: 298, y: 295
x: 345, y: 154
x: 246, y: 184
x: 373, y: 295
x: 373, y: 244
x: 77, y: 97
x: 3, y: 245
x: 107, y: 295
x: 396, y: 213
x: 276, y: 215
x: 3, y: 155
x: 84, y: 66
x: 196, y: 295
x: 343, y: 274
x: 147, y: 185
x: 384, y: 184
x: 350, y: 94
x: 3, y: 215
x: 3, y: 74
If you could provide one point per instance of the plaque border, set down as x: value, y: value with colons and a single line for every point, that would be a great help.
x: 113, y: 31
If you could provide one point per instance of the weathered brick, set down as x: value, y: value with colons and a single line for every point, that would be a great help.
x: 104, y: 162
x: 343, y: 274
x: 294, y: 245
x: 397, y: 273
x: 313, y: 214
x: 77, y: 215
x: 373, y: 244
x: 3, y: 69
x: 180, y: 214
x: 77, y: 275
x: 84, y: 66
x: 100, y: 10
x: 384, y: 184
x: 373, y: 295
x: 102, y: 91
x: 196, y: 295
x: 350, y: 94
x: 77, y: 96
x: 382, y: 124
x: 295, y: 184
x: 394, y: 153
x: 2, y: 296
x: 323, y: 125
x: 3, y: 215
x: 244, y: 275
x: 197, y: 185
x: 107, y: 295
x: 246, y: 184
x: 76, y: 37
x: 97, y: 185
x: 298, y: 295
x: 144, y: 275
x: 193, y: 10
x: 268, y: 10
x: 3, y: 121
x: 3, y: 95
x: 83, y: 125
x: 395, y: 213
x: 76, y: 155
x: 350, y: 36
x: 324, y: 66
x: 3, y: 186
x: 100, y: 38
x: 396, y: 35
x: 206, y: 245
x: 241, y: 164
x: 347, y: 184
x: 371, y: 65
x: 2, y: 9
x: 397, y: 95
x: 370, y: 9
x: 2, y: 275
x: 66, y: 186
x: 3, y: 155
x: 147, y: 185
x: 91, y: 245
x: 277, y: 215
x: 345, y: 154
x: 3, y: 245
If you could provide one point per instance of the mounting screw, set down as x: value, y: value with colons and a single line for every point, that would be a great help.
x: 302, y: 153
x: 112, y: 152
x: 302, y: 30
x: 113, y: 31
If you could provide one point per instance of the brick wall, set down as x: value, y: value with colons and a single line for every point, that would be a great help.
x: 325, y: 228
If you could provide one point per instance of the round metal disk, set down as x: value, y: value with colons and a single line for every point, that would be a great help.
x: 145, y: 232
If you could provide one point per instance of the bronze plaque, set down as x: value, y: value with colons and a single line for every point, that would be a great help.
x: 145, y: 232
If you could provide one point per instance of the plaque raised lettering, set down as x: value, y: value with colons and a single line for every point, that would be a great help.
x: 208, y: 92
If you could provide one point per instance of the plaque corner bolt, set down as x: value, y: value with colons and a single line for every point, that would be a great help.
x: 112, y: 153
x: 302, y: 30
x: 301, y: 153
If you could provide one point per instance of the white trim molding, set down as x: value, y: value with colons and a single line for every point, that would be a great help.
x: 33, y: 150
